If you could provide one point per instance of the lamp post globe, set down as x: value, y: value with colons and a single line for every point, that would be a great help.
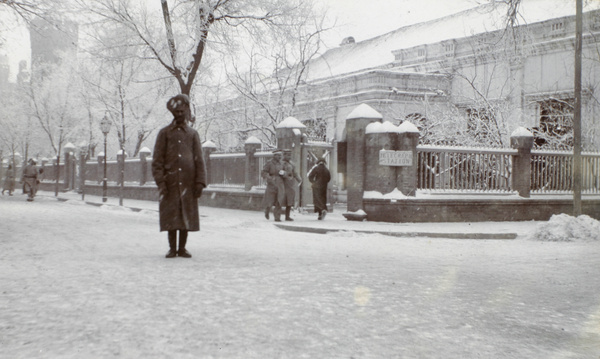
x: 105, y: 128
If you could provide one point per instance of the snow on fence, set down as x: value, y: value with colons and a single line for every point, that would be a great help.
x: 464, y: 169
x: 490, y: 170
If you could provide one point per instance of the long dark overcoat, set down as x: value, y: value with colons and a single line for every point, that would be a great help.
x: 275, y: 191
x: 319, y: 176
x: 290, y: 181
x: 177, y: 162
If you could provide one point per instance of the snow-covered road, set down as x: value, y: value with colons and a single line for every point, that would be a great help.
x: 80, y: 281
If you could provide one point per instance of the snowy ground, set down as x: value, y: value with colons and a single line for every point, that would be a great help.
x: 79, y: 281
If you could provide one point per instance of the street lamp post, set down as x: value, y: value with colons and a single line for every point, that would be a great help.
x: 105, y: 128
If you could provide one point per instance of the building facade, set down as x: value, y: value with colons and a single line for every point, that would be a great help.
x: 463, y: 76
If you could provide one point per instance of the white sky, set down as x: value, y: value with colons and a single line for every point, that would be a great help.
x: 360, y: 19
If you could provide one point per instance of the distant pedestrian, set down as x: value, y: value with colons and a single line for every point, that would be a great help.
x: 179, y: 172
x: 29, y: 179
x: 273, y: 173
x: 291, y: 180
x: 9, y: 181
x: 319, y: 177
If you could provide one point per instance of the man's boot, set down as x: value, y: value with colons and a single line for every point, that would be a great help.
x: 172, y: 253
x: 267, y: 213
x: 288, y: 209
x: 182, y: 252
x: 277, y: 213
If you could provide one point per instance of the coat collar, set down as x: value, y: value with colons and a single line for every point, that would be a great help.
x: 173, y: 126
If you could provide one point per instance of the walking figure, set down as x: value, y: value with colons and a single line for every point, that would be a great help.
x: 291, y: 181
x: 319, y: 177
x: 9, y: 181
x: 180, y: 174
x: 273, y: 173
x: 30, y: 179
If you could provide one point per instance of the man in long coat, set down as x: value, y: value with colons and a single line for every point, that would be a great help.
x: 319, y: 176
x: 272, y: 172
x: 179, y: 172
x: 291, y: 179
x: 30, y: 179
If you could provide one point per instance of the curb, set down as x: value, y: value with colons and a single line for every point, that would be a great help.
x: 503, y: 236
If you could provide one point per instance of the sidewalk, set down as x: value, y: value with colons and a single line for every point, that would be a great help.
x: 336, y: 222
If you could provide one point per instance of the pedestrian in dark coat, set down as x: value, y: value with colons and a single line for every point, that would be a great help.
x: 273, y: 172
x: 9, y: 181
x: 319, y: 177
x: 291, y: 180
x: 179, y: 172
x: 29, y: 179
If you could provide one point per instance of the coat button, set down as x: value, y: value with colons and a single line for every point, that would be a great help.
x: 180, y: 155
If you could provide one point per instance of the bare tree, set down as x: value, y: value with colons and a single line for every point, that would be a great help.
x: 187, y: 25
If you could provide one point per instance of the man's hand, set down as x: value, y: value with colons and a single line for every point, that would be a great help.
x: 198, y: 190
x: 162, y: 190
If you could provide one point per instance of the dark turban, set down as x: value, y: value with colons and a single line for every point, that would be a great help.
x: 177, y: 102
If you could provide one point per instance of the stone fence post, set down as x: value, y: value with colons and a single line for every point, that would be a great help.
x: 69, y: 148
x: 100, y: 170
x: 251, y: 172
x: 408, y: 139
x: 522, y: 140
x: 208, y: 148
x: 144, y: 153
x: 356, y: 123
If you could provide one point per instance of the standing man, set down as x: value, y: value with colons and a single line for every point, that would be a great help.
x: 30, y: 179
x: 319, y: 176
x: 273, y: 173
x: 291, y: 180
x: 180, y: 174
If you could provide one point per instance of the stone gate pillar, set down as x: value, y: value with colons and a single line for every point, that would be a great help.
x: 522, y: 140
x: 406, y: 176
x: 356, y: 123
x: 379, y: 177
x: 252, y: 172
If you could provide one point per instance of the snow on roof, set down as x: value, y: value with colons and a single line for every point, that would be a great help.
x: 491, y: 16
x: 364, y: 111
x: 253, y: 140
x: 521, y: 132
x: 290, y: 122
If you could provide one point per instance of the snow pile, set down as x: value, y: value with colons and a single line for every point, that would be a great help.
x: 565, y: 228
